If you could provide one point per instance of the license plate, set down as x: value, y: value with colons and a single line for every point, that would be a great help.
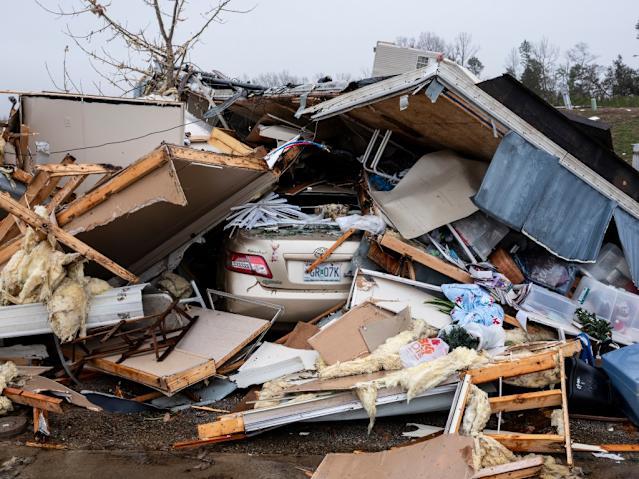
x: 324, y: 272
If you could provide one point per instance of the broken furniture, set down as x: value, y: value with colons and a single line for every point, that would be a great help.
x: 193, y: 352
x: 517, y: 367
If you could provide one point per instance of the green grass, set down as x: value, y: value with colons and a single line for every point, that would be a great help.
x: 623, y: 137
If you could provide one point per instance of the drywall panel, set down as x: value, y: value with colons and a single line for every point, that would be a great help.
x: 73, y: 124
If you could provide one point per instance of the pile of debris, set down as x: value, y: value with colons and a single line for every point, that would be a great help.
x: 430, y: 243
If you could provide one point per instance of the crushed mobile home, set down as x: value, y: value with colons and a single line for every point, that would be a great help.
x: 418, y: 243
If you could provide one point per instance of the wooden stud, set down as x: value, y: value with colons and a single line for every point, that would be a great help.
x: 216, y: 159
x: 224, y: 425
x: 531, y: 442
x: 28, y: 216
x: 55, y: 170
x: 521, y: 402
x: 35, y: 400
x: 564, y: 408
x: 63, y: 193
x: 524, y: 468
x: 394, y: 242
x: 120, y: 181
x: 330, y: 250
x: 516, y: 367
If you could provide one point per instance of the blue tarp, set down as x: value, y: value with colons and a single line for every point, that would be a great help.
x: 527, y: 189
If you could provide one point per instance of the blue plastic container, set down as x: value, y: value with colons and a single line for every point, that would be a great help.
x: 622, y: 367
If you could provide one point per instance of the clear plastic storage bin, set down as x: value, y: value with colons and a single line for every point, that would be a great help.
x: 611, y: 267
x: 551, y: 305
x: 617, y: 306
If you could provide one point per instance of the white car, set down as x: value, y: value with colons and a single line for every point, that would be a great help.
x: 270, y: 266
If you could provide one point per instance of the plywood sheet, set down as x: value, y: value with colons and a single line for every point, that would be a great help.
x: 444, y: 456
x: 342, y: 340
x: 298, y: 338
x: 437, y: 190
x: 219, y: 335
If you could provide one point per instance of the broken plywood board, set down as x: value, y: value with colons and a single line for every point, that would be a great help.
x: 437, y: 190
x: 213, y: 339
x: 40, y: 384
x: 212, y: 183
x: 393, y: 295
x: 343, y: 339
x: 298, y: 338
x: 443, y: 456
x: 219, y: 335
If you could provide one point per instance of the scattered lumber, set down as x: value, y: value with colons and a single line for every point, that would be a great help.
x: 395, y: 242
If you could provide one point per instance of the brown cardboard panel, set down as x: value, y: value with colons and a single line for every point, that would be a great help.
x: 375, y: 333
x: 298, y: 339
x: 444, y: 456
x: 342, y: 341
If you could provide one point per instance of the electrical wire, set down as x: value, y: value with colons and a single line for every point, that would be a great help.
x: 117, y: 142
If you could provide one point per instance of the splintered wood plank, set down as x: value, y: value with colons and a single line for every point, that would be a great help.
x: 223, y: 426
x: 516, y: 367
x: 521, y: 402
x: 531, y: 442
x: 393, y: 241
x: 55, y: 170
x: 529, y: 467
x: 120, y: 181
x: 28, y: 398
x: 13, y: 207
x: 216, y: 159
x: 227, y: 144
x: 38, y: 190
x: 63, y: 193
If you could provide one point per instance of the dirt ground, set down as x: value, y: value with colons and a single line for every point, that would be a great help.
x: 140, y: 445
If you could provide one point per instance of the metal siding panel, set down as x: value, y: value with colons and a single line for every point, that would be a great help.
x: 628, y: 229
x: 571, y: 218
x: 515, y: 180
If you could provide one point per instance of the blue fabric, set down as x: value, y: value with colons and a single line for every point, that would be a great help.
x: 628, y: 229
x: 473, y: 305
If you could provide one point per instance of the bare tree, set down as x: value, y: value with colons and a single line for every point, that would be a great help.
x: 547, y: 55
x: 463, y: 48
x: 513, y: 63
x: 155, y: 53
x: 425, y: 41
x: 275, y: 79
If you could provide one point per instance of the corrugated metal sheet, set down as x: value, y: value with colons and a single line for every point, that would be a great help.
x: 530, y: 191
x: 628, y: 229
x: 571, y: 217
x: 515, y: 180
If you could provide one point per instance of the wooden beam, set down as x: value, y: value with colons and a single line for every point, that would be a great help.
x: 22, y: 176
x: 28, y: 398
x: 524, y: 468
x: 223, y: 426
x: 63, y: 193
x: 620, y: 447
x: 516, y: 367
x: 564, y: 408
x: 216, y: 159
x: 120, y: 181
x: 13, y: 207
x: 55, y: 170
x: 227, y: 144
x: 330, y: 250
x: 393, y: 241
x: 531, y: 442
x: 521, y: 402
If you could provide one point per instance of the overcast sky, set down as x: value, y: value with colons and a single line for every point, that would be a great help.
x: 329, y: 36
